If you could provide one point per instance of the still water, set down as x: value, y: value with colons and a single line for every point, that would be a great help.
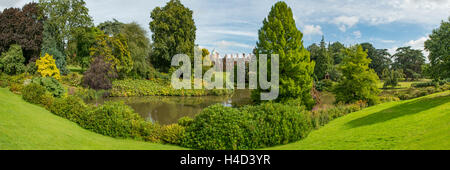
x: 168, y: 109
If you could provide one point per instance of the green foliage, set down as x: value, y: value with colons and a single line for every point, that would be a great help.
x: 72, y: 79
x: 51, y: 85
x: 222, y: 128
x: 62, y: 19
x: 115, y: 120
x: 322, y: 117
x: 324, y: 62
x: 37, y: 94
x: 173, y: 29
x: 325, y: 85
x: 410, y: 61
x: 11, y: 62
x: 391, y: 77
x: 172, y: 134
x: 439, y: 47
x: 84, y: 38
x: 358, y: 82
x: 279, y: 35
x: 336, y: 51
x: 128, y: 88
x: 115, y: 51
x: 71, y: 108
x: 139, y: 47
x: 51, y: 46
x: 380, y: 58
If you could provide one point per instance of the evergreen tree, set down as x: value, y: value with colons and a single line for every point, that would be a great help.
x: 173, y: 30
x: 324, y: 62
x: 358, y: 81
x: 11, y: 61
x: 410, y: 61
x: 279, y: 35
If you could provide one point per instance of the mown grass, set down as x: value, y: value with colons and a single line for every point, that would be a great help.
x: 418, y: 124
x: 24, y: 126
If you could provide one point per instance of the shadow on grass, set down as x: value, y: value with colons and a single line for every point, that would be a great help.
x: 404, y: 109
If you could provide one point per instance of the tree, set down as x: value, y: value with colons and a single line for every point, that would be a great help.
x: 111, y: 27
x: 47, y: 67
x: 99, y: 75
x: 173, y: 30
x: 279, y: 35
x: 12, y: 61
x: 23, y: 27
x: 83, y: 39
x: 62, y: 18
x: 336, y: 53
x: 391, y: 77
x: 410, y: 61
x: 380, y: 58
x: 139, y: 47
x: 324, y: 62
x: 358, y: 81
x: 114, y: 50
x: 439, y: 47
x: 314, y: 50
x: 53, y: 47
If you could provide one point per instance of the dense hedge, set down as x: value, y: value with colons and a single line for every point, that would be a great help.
x: 128, y: 88
x: 51, y: 84
x: 253, y: 127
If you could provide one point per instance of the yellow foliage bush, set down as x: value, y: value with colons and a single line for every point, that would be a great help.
x: 47, y: 67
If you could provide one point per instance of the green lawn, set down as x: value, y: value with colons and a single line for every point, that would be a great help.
x: 422, y: 123
x: 24, y: 126
x: 404, y: 84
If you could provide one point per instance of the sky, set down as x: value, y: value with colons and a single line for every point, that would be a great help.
x: 231, y: 26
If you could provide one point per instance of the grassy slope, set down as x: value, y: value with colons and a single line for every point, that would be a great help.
x: 422, y: 123
x: 27, y: 126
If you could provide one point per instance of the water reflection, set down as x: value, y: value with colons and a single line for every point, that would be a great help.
x: 167, y: 110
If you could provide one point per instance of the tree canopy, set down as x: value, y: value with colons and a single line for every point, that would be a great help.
x: 279, y: 35
x: 410, y: 61
x: 439, y: 47
x: 380, y: 58
x: 173, y: 29
x: 324, y: 61
x: 358, y: 82
x: 23, y: 27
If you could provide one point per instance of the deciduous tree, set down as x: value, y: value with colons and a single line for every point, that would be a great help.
x: 173, y: 29
x: 439, y: 47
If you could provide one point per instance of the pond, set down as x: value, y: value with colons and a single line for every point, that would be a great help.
x: 169, y: 109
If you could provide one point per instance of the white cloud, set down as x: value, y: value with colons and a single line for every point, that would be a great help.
x: 227, y: 44
x: 418, y: 44
x: 238, y: 33
x: 357, y: 34
x: 345, y: 22
x: 312, y: 30
x: 387, y: 41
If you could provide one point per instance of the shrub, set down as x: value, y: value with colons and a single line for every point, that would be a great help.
x: 324, y: 85
x: 277, y: 124
x: 221, y: 128
x: 12, y: 61
x: 37, y: 94
x: 47, y: 67
x: 185, y: 121
x: 72, y: 79
x: 70, y: 107
x: 51, y: 84
x: 115, y: 120
x: 172, y: 134
x: 322, y: 117
x: 99, y: 76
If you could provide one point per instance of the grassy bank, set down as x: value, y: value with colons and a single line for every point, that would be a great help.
x: 421, y: 123
x: 27, y: 126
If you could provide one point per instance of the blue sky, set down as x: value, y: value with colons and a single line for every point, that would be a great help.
x: 231, y: 26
